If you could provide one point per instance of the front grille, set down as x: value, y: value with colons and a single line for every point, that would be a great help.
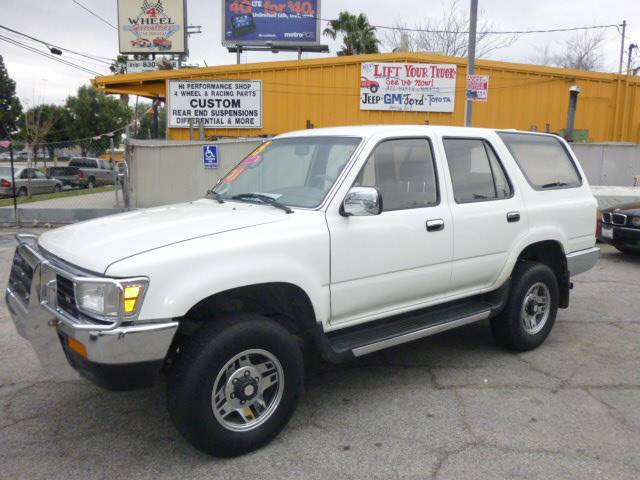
x: 618, y: 219
x: 606, y: 217
x: 20, y: 277
x: 66, y: 295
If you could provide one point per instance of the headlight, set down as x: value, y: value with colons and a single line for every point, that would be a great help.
x: 108, y: 300
x: 635, y: 221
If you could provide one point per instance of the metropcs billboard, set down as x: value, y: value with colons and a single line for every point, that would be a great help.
x: 258, y: 22
x: 152, y: 26
x: 410, y: 87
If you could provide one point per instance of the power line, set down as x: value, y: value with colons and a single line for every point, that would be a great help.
x: 74, y: 58
x: 48, y: 45
x: 95, y: 15
x: 46, y: 55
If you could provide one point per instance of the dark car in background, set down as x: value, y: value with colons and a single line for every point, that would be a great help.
x: 71, y: 176
x: 621, y: 227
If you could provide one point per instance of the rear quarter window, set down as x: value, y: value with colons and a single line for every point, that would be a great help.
x: 543, y: 159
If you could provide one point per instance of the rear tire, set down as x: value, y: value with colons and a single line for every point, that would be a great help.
x: 91, y: 183
x: 22, y: 192
x: 57, y: 188
x: 228, y: 362
x: 531, y: 309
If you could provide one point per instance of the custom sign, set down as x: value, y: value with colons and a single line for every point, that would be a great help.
x: 256, y: 22
x: 215, y: 103
x: 411, y: 87
x: 478, y: 88
x: 138, y: 66
x: 210, y: 156
x: 151, y: 26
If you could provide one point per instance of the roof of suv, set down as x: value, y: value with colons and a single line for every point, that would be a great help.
x: 369, y: 130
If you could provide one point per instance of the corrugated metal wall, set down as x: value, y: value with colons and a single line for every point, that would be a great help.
x: 326, y: 93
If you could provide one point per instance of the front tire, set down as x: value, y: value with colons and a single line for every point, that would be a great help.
x: 531, y: 309
x: 235, y: 384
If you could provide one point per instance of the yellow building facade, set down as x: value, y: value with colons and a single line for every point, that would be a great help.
x: 326, y: 92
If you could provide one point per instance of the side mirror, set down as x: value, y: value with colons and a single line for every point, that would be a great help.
x: 362, y: 201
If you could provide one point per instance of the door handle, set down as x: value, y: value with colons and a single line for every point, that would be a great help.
x: 513, y: 217
x: 435, y: 225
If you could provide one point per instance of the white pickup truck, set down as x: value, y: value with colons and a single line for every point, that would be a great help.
x: 338, y: 242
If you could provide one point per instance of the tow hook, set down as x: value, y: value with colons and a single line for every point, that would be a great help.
x: 54, y: 322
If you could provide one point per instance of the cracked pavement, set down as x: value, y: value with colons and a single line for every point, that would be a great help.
x: 452, y: 406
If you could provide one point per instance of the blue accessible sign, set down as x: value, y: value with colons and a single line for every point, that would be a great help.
x: 210, y: 156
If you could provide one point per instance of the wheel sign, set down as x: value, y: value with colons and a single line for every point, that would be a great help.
x: 210, y: 156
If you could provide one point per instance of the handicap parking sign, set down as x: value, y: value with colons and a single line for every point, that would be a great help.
x: 210, y: 156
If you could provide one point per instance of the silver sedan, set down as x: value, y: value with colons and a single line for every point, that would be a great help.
x: 26, y: 178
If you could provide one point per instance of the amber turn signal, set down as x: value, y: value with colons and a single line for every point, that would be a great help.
x: 77, y: 347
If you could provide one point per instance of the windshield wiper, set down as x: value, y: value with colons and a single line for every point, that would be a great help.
x: 215, y: 195
x: 264, y: 199
x: 554, y: 184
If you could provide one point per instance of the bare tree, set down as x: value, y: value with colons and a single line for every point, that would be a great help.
x: 582, y: 51
x: 446, y: 35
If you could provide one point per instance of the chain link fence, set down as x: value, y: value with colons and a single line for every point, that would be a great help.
x: 59, y: 187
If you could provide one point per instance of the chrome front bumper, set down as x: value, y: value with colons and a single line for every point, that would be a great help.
x: 582, y: 260
x: 38, y: 319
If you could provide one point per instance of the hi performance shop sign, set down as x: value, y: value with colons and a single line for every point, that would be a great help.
x: 215, y: 103
x: 411, y: 87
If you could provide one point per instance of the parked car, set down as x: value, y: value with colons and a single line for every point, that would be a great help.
x: 340, y: 241
x: 98, y: 172
x: 372, y: 85
x: 621, y: 227
x: 40, y: 183
x: 71, y: 176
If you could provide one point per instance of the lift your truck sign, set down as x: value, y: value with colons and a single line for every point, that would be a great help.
x: 410, y: 87
x: 215, y: 103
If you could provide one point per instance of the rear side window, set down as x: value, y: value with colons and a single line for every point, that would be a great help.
x: 476, y: 173
x: 403, y: 171
x: 543, y: 159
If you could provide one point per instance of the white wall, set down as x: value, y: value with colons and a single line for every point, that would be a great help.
x: 609, y: 164
x: 163, y: 172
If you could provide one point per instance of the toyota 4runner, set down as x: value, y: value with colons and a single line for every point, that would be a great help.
x: 340, y: 242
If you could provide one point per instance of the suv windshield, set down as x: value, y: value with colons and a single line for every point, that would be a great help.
x: 294, y: 171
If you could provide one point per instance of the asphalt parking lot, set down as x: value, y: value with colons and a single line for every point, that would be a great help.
x: 452, y: 406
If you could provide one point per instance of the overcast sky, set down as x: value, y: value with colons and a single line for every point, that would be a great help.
x: 66, y: 24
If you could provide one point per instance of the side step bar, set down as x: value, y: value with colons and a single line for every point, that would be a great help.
x: 425, y: 332
x: 350, y: 342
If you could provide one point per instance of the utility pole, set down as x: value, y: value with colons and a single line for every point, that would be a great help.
x: 471, y: 60
x: 624, y: 29
x: 631, y: 47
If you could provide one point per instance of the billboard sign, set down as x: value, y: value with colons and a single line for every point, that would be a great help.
x: 257, y: 22
x: 151, y: 26
x: 138, y: 66
x: 478, y: 88
x: 409, y: 87
x: 215, y: 103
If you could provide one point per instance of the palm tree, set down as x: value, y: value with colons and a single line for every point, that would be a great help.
x: 359, y: 36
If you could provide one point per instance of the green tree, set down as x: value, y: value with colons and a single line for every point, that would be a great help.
x: 93, y: 113
x: 10, y: 107
x: 119, y: 65
x: 144, y: 121
x: 58, y: 135
x: 358, y: 35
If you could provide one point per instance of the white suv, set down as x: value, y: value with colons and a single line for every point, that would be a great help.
x: 339, y: 241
